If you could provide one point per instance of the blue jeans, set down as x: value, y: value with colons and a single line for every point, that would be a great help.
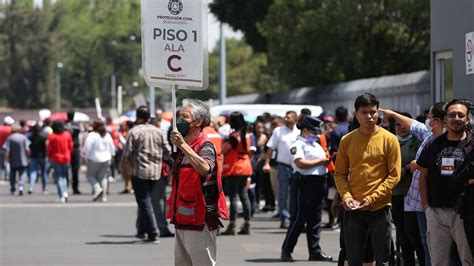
x: 61, y: 178
x: 423, y: 228
x: 38, y: 165
x: 143, y: 189
x: 22, y: 176
x: 284, y: 175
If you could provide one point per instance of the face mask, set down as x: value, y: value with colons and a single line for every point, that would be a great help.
x: 427, y: 124
x: 183, y: 127
x: 311, y: 138
x: 405, y: 138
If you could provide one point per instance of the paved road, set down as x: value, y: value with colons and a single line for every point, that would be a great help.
x: 36, y: 230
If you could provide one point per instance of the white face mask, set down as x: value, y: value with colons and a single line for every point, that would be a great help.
x: 427, y: 124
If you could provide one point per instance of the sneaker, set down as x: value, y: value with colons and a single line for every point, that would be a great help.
x: 30, y: 191
x: 62, y: 200
x: 155, y: 240
x: 45, y: 192
x: 98, y: 194
x: 111, y: 179
x: 20, y: 193
x: 104, y: 199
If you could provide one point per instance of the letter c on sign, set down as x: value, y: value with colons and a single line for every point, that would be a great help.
x: 171, y: 58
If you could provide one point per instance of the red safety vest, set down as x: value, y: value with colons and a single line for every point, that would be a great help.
x: 189, y: 206
x: 237, y: 161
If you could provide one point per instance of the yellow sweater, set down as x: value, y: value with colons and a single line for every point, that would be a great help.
x: 368, y: 166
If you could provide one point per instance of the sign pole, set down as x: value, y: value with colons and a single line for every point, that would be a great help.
x: 173, y: 104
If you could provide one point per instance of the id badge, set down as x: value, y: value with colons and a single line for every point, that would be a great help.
x: 447, y: 166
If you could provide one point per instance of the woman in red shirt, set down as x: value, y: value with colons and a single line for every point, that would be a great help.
x: 59, y: 153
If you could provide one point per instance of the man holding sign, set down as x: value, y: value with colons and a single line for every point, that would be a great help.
x: 368, y: 166
x: 196, y: 201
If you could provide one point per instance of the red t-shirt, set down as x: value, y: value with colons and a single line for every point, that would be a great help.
x: 60, y: 147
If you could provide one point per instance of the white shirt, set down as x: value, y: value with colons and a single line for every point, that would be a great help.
x: 98, y: 149
x: 281, y: 140
x: 301, y: 149
x: 165, y: 126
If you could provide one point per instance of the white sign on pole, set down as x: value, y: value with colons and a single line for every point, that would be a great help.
x: 469, y: 53
x: 174, y: 43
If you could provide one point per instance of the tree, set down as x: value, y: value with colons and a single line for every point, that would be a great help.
x: 247, y: 72
x: 96, y: 44
x: 320, y: 41
x: 244, y: 15
x: 26, y: 46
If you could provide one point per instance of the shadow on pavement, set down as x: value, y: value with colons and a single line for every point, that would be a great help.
x: 118, y: 236
x: 114, y: 242
x: 272, y: 260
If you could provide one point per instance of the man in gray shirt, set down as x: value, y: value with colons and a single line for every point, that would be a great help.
x: 17, y: 149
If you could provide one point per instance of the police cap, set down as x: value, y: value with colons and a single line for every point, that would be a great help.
x: 312, y: 123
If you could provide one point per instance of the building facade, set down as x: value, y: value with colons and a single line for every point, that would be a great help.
x: 451, y: 51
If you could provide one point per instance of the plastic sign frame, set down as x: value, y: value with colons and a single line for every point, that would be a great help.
x: 175, y: 44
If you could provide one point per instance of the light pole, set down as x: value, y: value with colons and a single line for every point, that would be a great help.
x: 133, y: 38
x: 58, y: 86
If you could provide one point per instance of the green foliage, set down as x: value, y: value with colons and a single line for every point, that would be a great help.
x: 321, y: 41
x: 91, y: 38
x: 243, y: 15
x: 26, y: 45
x: 247, y: 72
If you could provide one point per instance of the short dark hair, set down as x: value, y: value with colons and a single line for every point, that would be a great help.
x: 438, y: 111
x: 306, y: 111
x: 58, y: 126
x: 143, y: 112
x: 366, y: 99
x: 462, y: 101
x: 341, y: 113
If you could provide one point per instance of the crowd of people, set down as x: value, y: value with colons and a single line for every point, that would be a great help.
x: 379, y: 168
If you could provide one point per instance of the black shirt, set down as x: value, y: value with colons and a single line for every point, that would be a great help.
x: 38, y: 145
x: 443, y: 190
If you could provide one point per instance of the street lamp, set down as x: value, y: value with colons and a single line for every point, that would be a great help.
x: 58, y: 86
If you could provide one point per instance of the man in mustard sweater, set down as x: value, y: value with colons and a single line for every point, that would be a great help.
x: 368, y: 166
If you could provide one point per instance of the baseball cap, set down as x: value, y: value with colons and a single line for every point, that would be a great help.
x: 8, y: 120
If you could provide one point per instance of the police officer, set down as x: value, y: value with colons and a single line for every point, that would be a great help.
x: 308, y: 187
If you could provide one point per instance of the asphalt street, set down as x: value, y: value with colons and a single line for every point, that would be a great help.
x: 37, y: 230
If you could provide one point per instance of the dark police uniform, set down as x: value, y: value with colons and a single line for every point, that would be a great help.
x: 308, y: 187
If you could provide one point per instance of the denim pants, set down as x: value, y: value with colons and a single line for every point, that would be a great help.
x: 362, y: 225
x: 38, y: 165
x: 423, y: 228
x: 21, y: 178
x: 236, y: 185
x: 143, y: 189
x: 284, y: 175
x: 61, y: 178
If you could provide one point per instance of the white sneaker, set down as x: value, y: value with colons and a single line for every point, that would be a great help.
x: 104, y: 199
x: 62, y: 200
x: 111, y: 179
x: 98, y: 192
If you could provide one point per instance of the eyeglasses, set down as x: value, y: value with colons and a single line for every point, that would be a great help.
x: 453, y: 115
